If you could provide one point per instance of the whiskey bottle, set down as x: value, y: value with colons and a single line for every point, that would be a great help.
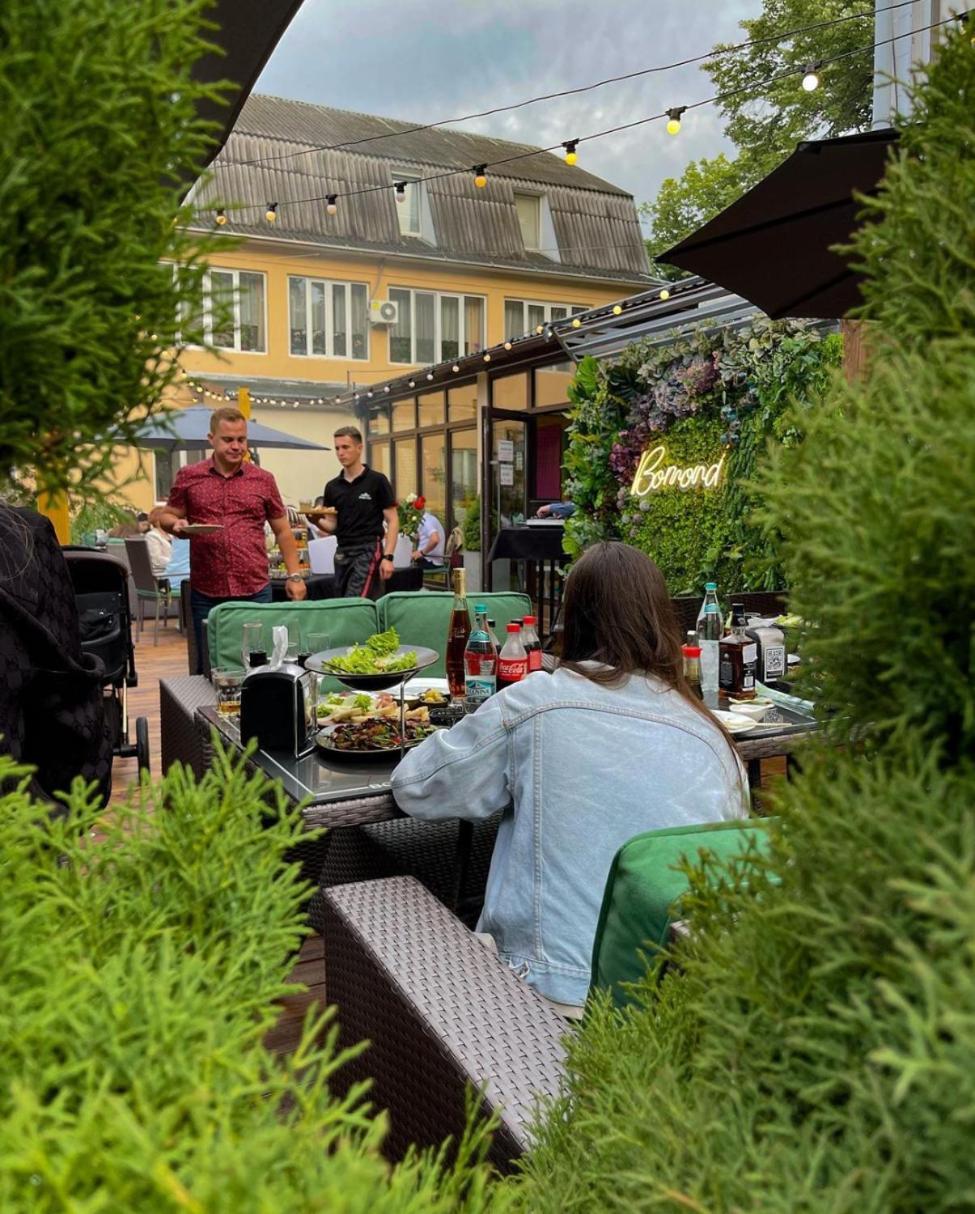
x: 737, y: 659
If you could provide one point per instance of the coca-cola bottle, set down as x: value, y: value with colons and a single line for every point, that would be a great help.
x: 533, y: 646
x: 512, y: 660
x: 480, y: 662
x: 458, y: 630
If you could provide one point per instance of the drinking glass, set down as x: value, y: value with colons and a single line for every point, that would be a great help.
x: 316, y: 642
x: 253, y: 647
x: 227, y: 682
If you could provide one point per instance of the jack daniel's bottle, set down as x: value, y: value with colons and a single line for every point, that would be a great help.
x: 737, y: 659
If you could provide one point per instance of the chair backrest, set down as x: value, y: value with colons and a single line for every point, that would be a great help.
x: 644, y: 886
x: 321, y: 554
x: 344, y: 620
x: 141, y: 565
x: 421, y: 617
x: 454, y: 544
x: 116, y: 547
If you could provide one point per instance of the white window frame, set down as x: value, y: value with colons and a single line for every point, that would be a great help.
x: 570, y: 310
x: 414, y: 192
x: 208, y: 308
x: 328, y: 284
x: 438, y: 296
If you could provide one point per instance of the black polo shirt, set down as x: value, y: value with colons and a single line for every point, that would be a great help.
x: 360, y: 504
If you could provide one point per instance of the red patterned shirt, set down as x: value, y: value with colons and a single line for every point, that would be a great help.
x: 233, y: 561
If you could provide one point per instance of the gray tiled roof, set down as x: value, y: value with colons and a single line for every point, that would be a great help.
x: 275, y: 154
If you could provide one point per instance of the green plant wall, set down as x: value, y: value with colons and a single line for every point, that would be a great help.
x: 707, y: 393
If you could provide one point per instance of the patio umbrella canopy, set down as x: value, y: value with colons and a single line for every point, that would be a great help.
x: 774, y: 245
x: 188, y: 428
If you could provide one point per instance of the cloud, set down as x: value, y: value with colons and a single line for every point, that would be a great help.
x: 426, y: 60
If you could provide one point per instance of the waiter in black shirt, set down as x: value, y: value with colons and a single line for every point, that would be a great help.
x: 363, y: 500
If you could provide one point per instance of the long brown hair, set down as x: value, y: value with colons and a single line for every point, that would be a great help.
x: 617, y: 611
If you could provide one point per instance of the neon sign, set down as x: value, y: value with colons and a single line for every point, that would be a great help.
x: 651, y: 475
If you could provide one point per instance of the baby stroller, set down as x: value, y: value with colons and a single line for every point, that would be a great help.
x: 101, y: 587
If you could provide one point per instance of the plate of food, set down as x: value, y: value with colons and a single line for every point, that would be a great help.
x: 359, y: 706
x: 314, y: 512
x: 734, y: 722
x: 429, y: 692
x: 380, y: 662
x: 374, y: 738
x: 199, y: 529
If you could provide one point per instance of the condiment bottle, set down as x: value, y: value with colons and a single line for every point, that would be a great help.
x: 692, y: 664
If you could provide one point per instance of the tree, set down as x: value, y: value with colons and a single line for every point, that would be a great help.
x: 766, y: 114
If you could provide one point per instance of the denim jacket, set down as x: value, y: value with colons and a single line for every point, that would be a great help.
x: 579, y: 769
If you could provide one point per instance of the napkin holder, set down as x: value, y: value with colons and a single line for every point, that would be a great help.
x: 277, y: 708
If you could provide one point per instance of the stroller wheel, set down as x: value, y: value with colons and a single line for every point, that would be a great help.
x: 142, y: 742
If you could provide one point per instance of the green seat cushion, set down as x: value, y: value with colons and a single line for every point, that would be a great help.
x: 421, y: 617
x: 344, y: 620
x: 645, y: 885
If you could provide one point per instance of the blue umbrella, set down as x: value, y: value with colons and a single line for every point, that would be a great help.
x: 187, y: 428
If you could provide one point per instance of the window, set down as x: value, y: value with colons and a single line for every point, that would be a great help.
x: 524, y: 316
x: 232, y: 313
x: 528, y: 207
x: 328, y: 319
x: 408, y: 209
x: 435, y: 327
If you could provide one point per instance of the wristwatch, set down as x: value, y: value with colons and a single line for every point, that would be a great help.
x: 388, y: 556
x: 295, y: 577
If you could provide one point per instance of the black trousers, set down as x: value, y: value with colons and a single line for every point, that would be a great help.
x: 357, y: 571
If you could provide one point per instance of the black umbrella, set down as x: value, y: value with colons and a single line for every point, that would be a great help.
x: 774, y: 245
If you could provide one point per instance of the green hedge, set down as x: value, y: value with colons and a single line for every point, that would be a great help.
x: 141, y: 972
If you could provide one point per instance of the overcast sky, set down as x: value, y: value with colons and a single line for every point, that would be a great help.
x: 425, y: 60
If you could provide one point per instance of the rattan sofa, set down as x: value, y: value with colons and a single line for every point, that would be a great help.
x: 442, y: 1014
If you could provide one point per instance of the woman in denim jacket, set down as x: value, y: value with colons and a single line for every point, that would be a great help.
x: 608, y: 746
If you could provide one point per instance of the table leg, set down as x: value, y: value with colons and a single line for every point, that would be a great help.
x: 754, y: 773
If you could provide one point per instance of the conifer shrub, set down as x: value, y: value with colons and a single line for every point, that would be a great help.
x: 816, y: 1048
x: 141, y: 971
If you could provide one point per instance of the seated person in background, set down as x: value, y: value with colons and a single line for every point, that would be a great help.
x: 429, y: 539
x: 160, y: 545
x: 556, y: 510
x: 610, y: 745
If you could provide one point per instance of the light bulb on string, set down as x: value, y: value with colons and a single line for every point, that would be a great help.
x: 673, y: 118
x: 487, y: 358
x: 412, y: 383
x: 507, y: 345
x: 664, y: 295
x: 221, y: 217
x: 571, y: 155
x: 429, y: 375
x: 810, y: 77
x: 330, y: 207
x: 455, y: 368
x: 480, y: 176
x: 400, y: 188
x: 271, y: 213
x: 386, y: 388
x: 617, y: 310
x: 576, y: 322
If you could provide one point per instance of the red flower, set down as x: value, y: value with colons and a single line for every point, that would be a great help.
x: 420, y: 503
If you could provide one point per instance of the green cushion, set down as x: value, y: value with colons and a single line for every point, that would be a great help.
x: 421, y: 617
x: 345, y: 621
x: 643, y: 886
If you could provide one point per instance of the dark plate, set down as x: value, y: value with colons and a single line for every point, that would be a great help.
x: 358, y: 756
x: 321, y: 663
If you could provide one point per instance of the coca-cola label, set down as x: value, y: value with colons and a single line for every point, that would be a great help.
x: 512, y: 670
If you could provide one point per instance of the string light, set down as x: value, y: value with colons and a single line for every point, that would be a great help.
x: 576, y: 322
x: 221, y: 217
x: 487, y: 358
x: 400, y: 188
x: 507, y: 345
x: 617, y: 310
x: 386, y: 388
x: 330, y: 207
x: 271, y: 213
x: 429, y: 375
x: 571, y: 155
x: 810, y: 77
x: 480, y: 176
x: 412, y: 383
x: 455, y: 368
x: 664, y: 295
x: 673, y: 118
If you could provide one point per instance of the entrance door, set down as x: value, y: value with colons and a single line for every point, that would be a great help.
x: 508, y: 465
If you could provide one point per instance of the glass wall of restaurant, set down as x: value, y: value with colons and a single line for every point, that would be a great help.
x: 427, y: 443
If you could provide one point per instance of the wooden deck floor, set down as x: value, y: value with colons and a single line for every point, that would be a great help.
x: 166, y: 659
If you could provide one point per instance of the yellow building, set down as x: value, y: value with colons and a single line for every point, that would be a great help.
x: 363, y: 249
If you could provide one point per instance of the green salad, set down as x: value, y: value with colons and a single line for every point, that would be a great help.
x: 377, y: 656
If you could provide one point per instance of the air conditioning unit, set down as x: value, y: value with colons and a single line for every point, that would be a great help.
x: 383, y: 312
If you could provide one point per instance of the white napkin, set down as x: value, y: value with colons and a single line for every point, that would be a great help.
x: 279, y: 644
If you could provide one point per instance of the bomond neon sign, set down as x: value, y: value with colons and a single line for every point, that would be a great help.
x: 652, y: 475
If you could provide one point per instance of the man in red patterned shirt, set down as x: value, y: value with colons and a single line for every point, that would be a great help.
x: 232, y: 493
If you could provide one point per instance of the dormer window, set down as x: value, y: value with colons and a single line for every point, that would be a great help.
x: 529, y: 208
x: 409, y: 204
